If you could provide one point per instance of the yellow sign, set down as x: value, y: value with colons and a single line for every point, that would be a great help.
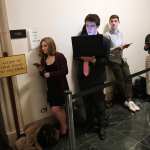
x: 12, y: 65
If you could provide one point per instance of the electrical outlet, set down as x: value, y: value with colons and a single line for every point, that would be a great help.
x: 44, y: 110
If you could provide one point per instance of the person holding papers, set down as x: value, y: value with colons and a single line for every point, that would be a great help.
x: 91, y: 73
x: 118, y: 65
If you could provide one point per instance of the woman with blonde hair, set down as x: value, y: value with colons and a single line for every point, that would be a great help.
x: 54, y: 69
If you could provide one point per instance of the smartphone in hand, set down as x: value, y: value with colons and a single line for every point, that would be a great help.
x: 37, y: 64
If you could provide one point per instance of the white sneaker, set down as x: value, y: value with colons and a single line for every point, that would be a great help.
x: 126, y: 103
x: 131, y: 106
x: 135, y: 106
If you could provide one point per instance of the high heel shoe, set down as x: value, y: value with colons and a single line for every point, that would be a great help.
x: 64, y: 134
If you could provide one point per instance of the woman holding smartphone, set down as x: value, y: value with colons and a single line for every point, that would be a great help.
x: 54, y: 69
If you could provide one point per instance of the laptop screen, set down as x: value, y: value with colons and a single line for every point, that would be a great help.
x: 88, y: 46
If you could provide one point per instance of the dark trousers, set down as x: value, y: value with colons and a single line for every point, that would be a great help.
x: 121, y: 72
x: 94, y: 104
x: 95, y: 109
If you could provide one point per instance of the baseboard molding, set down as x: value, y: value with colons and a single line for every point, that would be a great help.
x: 12, y: 137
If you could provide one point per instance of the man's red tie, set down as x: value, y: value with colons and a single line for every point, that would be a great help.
x: 86, y: 68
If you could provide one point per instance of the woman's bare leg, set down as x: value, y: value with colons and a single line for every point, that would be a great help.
x: 59, y: 113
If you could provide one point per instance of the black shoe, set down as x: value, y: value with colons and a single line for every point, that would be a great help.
x: 101, y: 134
x: 88, y: 127
x: 108, y: 104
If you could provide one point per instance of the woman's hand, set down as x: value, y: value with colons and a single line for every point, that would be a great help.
x: 46, y: 74
x: 38, y: 66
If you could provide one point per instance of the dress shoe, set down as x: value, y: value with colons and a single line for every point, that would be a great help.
x: 108, y: 104
x: 101, y: 134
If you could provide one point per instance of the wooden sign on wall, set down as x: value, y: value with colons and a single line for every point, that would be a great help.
x: 12, y: 65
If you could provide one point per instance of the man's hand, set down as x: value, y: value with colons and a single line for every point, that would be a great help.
x: 91, y: 59
x: 116, y: 49
x: 126, y: 45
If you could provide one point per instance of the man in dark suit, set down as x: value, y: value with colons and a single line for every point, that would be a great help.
x: 91, y: 72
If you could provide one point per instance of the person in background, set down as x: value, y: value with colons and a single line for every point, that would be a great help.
x: 54, y: 69
x: 147, y: 63
x: 147, y: 43
x: 118, y: 65
x: 90, y: 73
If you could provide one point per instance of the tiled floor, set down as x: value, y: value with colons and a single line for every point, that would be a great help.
x: 126, y: 131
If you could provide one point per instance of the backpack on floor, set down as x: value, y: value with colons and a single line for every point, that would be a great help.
x: 139, y: 87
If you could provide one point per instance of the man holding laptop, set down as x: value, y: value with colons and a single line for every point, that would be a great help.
x: 91, y: 51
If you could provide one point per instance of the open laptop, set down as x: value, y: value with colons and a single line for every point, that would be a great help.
x: 88, y: 46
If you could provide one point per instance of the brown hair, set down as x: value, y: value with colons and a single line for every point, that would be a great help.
x: 51, y: 46
x: 114, y: 17
x: 93, y: 18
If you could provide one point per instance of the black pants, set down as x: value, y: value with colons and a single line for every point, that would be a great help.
x: 95, y: 109
x: 94, y: 104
